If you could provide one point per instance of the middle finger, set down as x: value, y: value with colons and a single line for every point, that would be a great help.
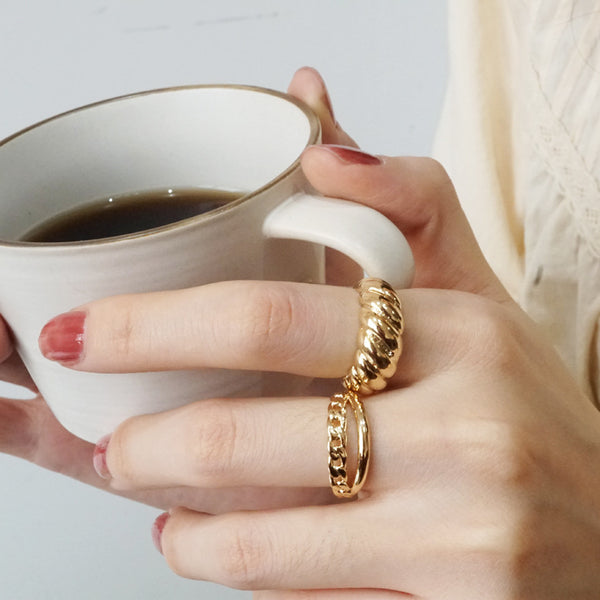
x: 302, y: 329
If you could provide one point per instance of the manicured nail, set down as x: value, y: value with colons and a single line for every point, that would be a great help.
x: 157, y: 530
x: 100, y: 457
x: 351, y: 155
x: 61, y: 339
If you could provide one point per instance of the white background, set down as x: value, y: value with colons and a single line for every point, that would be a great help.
x: 385, y: 63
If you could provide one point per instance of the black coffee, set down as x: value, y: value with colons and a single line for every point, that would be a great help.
x: 128, y: 213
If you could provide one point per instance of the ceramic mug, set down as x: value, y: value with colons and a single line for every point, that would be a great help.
x: 225, y: 137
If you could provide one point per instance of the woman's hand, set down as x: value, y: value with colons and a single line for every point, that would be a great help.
x: 484, y: 476
x: 484, y: 479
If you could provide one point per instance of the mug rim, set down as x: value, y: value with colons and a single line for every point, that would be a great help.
x: 313, y: 138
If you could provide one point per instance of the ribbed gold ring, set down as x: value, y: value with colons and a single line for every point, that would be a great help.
x: 376, y: 360
x: 379, y: 338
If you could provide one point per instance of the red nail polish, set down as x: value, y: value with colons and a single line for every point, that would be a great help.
x: 61, y: 339
x: 352, y: 155
x: 157, y: 530
x: 100, y: 457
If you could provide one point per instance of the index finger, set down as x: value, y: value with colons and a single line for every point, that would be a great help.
x: 417, y: 195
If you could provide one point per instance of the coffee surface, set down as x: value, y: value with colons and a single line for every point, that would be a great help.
x: 128, y: 213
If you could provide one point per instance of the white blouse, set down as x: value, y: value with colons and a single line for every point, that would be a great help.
x: 520, y: 136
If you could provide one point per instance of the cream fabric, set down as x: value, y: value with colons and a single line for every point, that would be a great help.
x: 520, y: 136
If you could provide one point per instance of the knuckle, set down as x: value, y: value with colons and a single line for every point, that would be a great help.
x: 434, y: 168
x: 245, y: 556
x: 514, y: 462
x: 175, y: 543
x: 210, y: 441
x: 501, y: 453
x: 122, y: 462
x: 493, y: 333
x: 481, y: 334
x: 267, y: 320
x: 122, y: 331
x: 426, y: 183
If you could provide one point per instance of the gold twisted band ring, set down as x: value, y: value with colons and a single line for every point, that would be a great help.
x: 379, y: 348
x: 337, y: 429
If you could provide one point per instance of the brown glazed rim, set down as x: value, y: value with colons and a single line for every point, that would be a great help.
x: 314, y: 135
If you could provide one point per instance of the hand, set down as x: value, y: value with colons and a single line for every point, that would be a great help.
x: 484, y: 463
x: 484, y: 480
x: 464, y: 479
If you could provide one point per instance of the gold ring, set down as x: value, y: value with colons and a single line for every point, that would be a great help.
x: 376, y: 360
x: 337, y: 429
x: 379, y: 338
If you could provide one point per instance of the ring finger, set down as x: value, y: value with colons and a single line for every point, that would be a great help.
x: 234, y: 443
x: 331, y: 595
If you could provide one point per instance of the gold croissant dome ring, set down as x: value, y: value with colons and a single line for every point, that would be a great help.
x: 376, y: 359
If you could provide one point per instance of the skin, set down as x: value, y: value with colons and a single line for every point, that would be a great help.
x: 484, y: 479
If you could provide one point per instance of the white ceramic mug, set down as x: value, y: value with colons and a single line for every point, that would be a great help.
x: 228, y: 137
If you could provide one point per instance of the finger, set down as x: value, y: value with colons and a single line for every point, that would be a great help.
x: 243, y: 325
x: 306, y: 329
x: 28, y: 430
x: 216, y: 501
x: 417, y: 195
x: 268, y: 326
x: 307, y: 548
x: 13, y: 371
x: 221, y: 444
x: 263, y: 443
x: 16, y: 436
x: 5, y: 343
x: 223, y: 500
x: 330, y: 595
x: 308, y: 85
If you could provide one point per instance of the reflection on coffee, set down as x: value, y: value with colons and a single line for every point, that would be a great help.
x: 128, y: 213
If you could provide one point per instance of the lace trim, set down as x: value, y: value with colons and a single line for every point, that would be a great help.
x: 580, y: 188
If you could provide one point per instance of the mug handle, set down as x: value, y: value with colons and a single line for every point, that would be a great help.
x: 359, y: 232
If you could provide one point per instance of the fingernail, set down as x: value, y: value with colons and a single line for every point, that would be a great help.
x: 351, y: 155
x: 157, y: 530
x: 61, y: 339
x: 100, y: 457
